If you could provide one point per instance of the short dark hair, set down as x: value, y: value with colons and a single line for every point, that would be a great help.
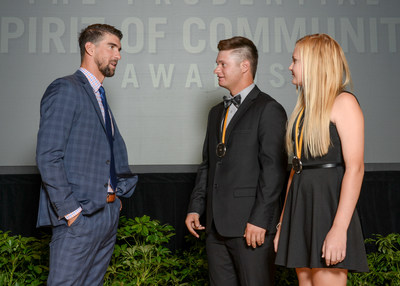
x: 95, y: 33
x: 244, y: 47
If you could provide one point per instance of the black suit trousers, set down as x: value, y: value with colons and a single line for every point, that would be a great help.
x: 233, y: 263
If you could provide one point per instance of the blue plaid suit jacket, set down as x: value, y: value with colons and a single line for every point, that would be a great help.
x: 73, y: 153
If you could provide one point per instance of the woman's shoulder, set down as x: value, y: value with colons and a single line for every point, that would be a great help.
x: 346, y: 96
x: 346, y: 102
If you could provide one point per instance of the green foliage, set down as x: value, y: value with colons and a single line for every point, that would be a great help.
x: 384, y: 265
x: 142, y: 258
x: 23, y: 260
x: 285, y: 276
x: 196, y: 266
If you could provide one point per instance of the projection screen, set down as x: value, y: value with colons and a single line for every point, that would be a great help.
x: 164, y: 85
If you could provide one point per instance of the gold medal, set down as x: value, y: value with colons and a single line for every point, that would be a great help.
x: 297, y: 165
x: 221, y: 150
x: 221, y: 147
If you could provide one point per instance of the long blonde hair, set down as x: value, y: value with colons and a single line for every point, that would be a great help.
x: 325, y: 73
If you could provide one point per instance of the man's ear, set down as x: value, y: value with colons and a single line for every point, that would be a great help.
x: 89, y: 48
x: 245, y: 65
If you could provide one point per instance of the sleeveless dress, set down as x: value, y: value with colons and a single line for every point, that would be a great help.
x: 310, y: 209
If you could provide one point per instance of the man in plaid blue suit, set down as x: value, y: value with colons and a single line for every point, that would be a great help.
x: 74, y: 156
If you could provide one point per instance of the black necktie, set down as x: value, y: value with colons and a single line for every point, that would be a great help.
x: 228, y: 100
x: 113, y: 177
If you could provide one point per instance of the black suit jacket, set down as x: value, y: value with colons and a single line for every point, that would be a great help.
x: 244, y: 185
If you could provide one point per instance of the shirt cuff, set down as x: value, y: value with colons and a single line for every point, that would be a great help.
x: 74, y: 213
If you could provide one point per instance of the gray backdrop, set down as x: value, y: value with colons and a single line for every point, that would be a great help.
x: 164, y: 84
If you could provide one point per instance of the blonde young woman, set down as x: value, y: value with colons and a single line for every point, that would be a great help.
x: 319, y: 232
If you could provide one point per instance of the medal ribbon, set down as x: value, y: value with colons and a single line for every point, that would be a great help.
x: 224, y: 128
x: 299, y: 145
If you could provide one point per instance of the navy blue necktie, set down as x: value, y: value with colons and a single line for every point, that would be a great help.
x: 113, y: 177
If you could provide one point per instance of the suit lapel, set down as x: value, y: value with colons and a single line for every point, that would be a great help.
x: 241, y: 111
x: 92, y: 97
x: 219, y: 119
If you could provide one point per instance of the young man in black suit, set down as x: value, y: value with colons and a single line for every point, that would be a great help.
x: 242, y: 174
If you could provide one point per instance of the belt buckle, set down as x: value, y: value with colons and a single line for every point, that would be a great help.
x: 297, y: 165
x: 110, y: 197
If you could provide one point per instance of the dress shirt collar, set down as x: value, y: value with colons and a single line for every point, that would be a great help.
x: 245, y: 91
x: 94, y: 82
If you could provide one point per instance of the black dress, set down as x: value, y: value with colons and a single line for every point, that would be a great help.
x: 310, y: 209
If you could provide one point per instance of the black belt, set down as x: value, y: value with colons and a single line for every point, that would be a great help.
x: 322, y: 166
x: 299, y: 167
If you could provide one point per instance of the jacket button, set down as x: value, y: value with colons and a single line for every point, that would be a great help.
x: 108, y: 162
x: 106, y: 185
